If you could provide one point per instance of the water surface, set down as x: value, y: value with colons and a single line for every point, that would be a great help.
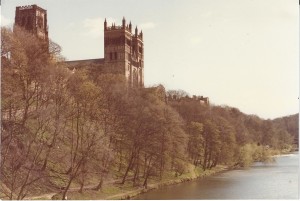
x: 277, y: 180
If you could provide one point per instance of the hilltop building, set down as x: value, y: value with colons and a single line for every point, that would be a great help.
x: 123, y: 50
x: 194, y: 99
x: 123, y: 54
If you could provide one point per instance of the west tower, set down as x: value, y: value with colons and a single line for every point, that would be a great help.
x: 124, y: 52
x: 33, y: 19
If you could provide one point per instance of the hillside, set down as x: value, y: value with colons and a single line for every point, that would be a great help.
x: 65, y: 132
x: 290, y: 124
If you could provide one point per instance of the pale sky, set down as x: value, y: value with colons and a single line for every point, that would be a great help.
x: 241, y: 53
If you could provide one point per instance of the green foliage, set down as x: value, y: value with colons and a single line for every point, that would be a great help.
x: 62, y: 129
x: 227, y: 134
x: 196, y: 140
x: 250, y: 153
x: 246, y: 156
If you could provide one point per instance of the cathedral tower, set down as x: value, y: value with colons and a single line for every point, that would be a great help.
x: 124, y: 52
x: 33, y: 19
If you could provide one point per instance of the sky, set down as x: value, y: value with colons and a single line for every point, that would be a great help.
x: 240, y: 53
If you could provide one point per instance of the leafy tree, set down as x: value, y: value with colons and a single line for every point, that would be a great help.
x: 228, y: 142
x: 196, y: 141
x: 246, y: 156
x: 26, y: 110
x: 212, y: 144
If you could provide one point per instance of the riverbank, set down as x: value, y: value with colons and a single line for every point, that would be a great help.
x: 117, y: 191
x: 127, y: 191
x: 275, y: 181
x: 277, y: 153
x: 192, y: 174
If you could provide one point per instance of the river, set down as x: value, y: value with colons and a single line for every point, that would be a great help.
x: 278, y: 180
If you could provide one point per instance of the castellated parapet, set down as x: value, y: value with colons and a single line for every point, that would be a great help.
x: 123, y: 54
x: 123, y: 50
x: 34, y: 19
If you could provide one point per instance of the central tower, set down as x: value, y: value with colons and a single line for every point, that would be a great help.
x: 124, y: 52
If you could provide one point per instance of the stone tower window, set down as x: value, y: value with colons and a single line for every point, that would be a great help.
x: 29, y: 23
x: 128, y: 42
x: 40, y: 22
x: 116, y: 55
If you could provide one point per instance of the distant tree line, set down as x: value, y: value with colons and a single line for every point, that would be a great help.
x: 63, y: 128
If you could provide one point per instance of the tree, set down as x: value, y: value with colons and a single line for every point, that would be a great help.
x: 177, y: 94
x: 85, y: 133
x: 228, y: 145
x: 110, y: 105
x: 196, y: 141
x: 212, y: 144
x: 150, y: 136
x: 26, y: 115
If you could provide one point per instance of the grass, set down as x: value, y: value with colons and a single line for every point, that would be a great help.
x: 109, y: 190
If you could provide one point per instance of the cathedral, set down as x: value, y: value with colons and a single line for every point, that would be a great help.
x: 123, y: 47
x: 123, y: 50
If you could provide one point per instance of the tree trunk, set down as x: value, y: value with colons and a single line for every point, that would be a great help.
x: 145, y: 165
x: 99, y: 186
x: 81, y: 184
x: 128, y: 168
x: 145, y: 184
x: 67, y: 188
x: 120, y: 159
x: 147, y: 173
x: 161, y: 168
x: 136, y: 173
x: 204, y: 160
